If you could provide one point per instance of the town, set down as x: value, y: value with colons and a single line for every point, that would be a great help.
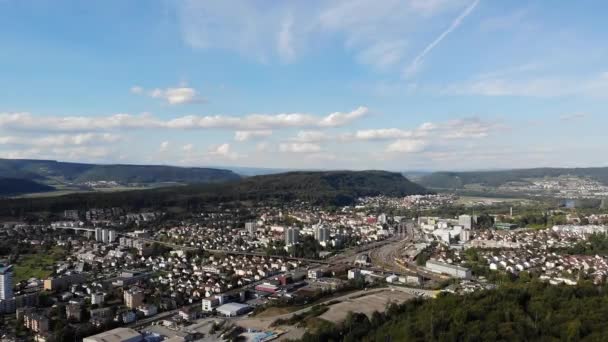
x: 107, y: 274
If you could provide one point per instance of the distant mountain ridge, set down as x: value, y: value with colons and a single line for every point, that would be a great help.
x: 322, y: 188
x: 458, y: 180
x: 50, y: 171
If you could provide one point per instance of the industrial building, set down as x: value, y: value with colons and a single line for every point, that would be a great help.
x: 233, y: 309
x: 362, y: 260
x: 452, y: 270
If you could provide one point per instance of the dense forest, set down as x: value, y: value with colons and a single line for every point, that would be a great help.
x: 531, y: 311
x: 457, y: 180
x: 323, y: 188
x: 53, y: 171
x: 16, y: 186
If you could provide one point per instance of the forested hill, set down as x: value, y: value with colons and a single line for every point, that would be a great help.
x: 457, y: 180
x: 337, y: 187
x: 50, y: 171
x: 522, y: 312
x: 15, y: 186
x: 324, y: 188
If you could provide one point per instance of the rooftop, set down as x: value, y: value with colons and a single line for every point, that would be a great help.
x: 115, y: 335
x: 5, y: 268
x: 232, y: 307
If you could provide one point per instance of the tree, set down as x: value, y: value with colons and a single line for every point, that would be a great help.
x: 485, y: 221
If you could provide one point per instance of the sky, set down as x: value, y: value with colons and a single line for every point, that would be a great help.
x: 340, y: 84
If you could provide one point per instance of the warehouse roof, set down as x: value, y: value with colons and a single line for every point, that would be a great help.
x: 232, y: 308
x: 115, y: 335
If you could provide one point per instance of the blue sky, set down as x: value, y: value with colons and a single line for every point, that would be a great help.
x: 358, y: 84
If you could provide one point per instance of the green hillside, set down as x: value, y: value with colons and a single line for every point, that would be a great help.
x: 326, y: 188
x: 458, y: 180
x: 337, y: 187
x: 16, y: 186
x: 52, y: 172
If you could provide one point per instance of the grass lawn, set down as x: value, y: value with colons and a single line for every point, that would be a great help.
x: 38, y: 265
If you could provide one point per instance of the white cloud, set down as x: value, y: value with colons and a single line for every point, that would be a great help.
x: 223, y: 151
x: 262, y: 147
x: 468, y: 128
x: 525, y: 85
x: 310, y: 136
x: 573, y: 117
x: 173, y: 96
x: 60, y: 140
x: 299, y: 147
x: 285, y: 40
x: 339, y: 119
x: 407, y: 146
x: 426, y: 134
x: 414, y: 66
x: 375, y: 32
x: 381, y: 134
x: 27, y: 121
x: 71, y: 153
x: 164, y: 146
x: 323, y: 157
x: 248, y: 135
x: 137, y: 90
x: 383, y: 54
x: 188, y: 148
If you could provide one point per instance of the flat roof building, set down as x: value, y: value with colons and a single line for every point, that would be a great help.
x: 452, y: 270
x: 116, y: 335
x: 233, y: 309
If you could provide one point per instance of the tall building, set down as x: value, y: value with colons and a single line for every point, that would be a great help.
x: 112, y: 235
x: 133, y: 298
x: 466, y: 221
x: 251, y: 228
x: 292, y: 236
x: 105, y: 236
x: 382, y: 219
x: 465, y: 235
x: 97, y: 298
x: 322, y: 234
x: 98, y: 234
x: 6, y: 282
x: 36, y: 322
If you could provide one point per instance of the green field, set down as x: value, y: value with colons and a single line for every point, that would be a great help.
x: 39, y: 265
